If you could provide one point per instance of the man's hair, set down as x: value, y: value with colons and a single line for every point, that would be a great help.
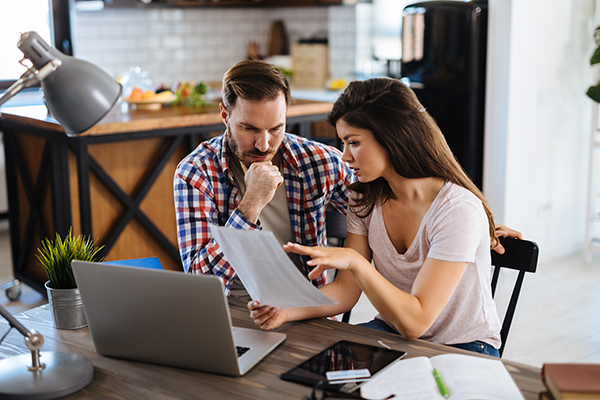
x: 254, y: 80
x: 400, y: 124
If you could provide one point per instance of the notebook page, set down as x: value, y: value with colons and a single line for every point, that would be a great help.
x: 410, y: 379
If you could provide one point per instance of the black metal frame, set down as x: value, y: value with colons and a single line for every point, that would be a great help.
x: 54, y: 171
x: 519, y: 255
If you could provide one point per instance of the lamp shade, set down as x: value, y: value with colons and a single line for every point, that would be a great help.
x: 78, y: 94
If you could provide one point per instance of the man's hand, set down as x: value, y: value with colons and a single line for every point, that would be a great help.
x: 266, y: 317
x: 261, y: 179
x: 504, y: 231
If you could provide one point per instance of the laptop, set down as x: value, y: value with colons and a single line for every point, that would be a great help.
x: 167, y: 318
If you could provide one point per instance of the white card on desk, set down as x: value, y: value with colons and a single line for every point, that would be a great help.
x: 347, y: 375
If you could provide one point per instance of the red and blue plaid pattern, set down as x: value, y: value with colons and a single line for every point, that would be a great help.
x: 205, y: 193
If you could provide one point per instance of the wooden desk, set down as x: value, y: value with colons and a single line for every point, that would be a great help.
x: 114, y: 182
x: 120, y: 379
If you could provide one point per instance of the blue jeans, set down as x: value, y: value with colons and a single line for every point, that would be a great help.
x: 477, y: 346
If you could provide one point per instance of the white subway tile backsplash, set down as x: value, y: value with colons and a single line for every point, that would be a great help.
x: 159, y: 28
x: 172, y: 41
x: 202, y: 43
x: 172, y: 14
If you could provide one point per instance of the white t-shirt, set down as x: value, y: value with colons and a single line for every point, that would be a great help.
x: 454, y: 228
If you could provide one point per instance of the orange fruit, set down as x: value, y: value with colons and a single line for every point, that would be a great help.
x: 148, y: 94
x: 136, y: 94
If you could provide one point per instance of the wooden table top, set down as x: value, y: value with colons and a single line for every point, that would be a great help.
x: 122, y: 118
x: 121, y: 379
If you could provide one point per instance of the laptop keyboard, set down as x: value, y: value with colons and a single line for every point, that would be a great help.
x: 241, y: 350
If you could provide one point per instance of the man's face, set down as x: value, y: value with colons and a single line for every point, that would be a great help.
x: 255, y: 128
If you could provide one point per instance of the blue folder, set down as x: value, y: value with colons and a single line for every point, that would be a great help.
x: 148, y: 262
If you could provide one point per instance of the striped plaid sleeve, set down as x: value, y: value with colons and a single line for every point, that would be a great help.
x: 196, y: 208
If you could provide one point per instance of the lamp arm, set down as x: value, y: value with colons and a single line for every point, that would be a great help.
x: 30, y: 78
x: 34, y: 340
x: 13, y: 322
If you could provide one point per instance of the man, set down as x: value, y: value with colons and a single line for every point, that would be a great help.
x: 255, y: 176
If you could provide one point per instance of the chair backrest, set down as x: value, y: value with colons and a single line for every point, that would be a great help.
x: 522, y: 256
x: 335, y: 226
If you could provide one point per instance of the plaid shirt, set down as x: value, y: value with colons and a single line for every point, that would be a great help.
x: 205, y: 193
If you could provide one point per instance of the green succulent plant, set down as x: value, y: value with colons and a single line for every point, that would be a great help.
x: 56, y: 255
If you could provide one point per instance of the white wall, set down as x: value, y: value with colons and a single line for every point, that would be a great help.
x: 538, y: 119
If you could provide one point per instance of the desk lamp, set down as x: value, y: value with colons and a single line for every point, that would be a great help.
x: 59, y: 375
x: 77, y: 93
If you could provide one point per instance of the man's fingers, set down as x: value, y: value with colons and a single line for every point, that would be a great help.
x: 257, y: 312
x: 265, y: 319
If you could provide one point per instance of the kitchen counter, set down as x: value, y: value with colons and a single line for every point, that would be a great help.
x: 122, y: 118
x: 114, y: 182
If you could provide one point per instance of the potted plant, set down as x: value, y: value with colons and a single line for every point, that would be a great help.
x: 593, y: 91
x: 55, y: 256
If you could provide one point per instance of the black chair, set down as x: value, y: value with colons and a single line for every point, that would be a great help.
x: 335, y: 225
x: 522, y: 256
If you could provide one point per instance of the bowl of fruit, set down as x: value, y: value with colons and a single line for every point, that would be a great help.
x: 149, y: 99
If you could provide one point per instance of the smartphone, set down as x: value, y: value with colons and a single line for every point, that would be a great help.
x: 343, y: 356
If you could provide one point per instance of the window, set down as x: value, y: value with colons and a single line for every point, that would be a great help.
x: 49, y: 18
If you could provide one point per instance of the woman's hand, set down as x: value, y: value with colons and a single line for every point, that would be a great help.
x: 504, y: 231
x: 266, y: 317
x: 323, y: 258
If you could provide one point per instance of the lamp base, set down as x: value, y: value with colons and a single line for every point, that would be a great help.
x: 65, y: 373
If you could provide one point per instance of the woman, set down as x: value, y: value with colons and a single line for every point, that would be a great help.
x: 417, y: 216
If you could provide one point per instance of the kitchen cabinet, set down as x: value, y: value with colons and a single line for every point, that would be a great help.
x: 182, y: 3
x: 225, y: 3
x: 287, y: 3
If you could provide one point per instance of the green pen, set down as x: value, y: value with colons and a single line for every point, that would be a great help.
x: 441, y: 385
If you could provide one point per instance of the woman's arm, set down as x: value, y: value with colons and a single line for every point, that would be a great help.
x: 412, y: 314
x: 343, y: 289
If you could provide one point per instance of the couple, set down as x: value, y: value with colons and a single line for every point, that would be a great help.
x: 411, y: 208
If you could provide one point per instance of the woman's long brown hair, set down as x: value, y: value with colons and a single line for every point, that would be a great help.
x: 401, y: 125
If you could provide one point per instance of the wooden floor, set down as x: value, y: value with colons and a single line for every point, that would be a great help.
x: 557, y: 318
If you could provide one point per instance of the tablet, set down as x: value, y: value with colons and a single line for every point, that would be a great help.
x: 343, y: 366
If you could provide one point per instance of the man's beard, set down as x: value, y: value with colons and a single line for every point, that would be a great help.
x: 234, y: 147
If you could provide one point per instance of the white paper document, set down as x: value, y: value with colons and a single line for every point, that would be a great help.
x: 265, y: 269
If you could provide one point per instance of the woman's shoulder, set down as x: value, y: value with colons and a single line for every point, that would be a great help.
x: 455, y: 194
x: 359, y: 214
x: 456, y: 205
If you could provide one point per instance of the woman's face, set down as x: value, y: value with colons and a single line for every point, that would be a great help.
x: 365, y: 156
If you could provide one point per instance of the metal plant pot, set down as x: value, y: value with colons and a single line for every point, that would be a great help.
x: 67, y: 308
